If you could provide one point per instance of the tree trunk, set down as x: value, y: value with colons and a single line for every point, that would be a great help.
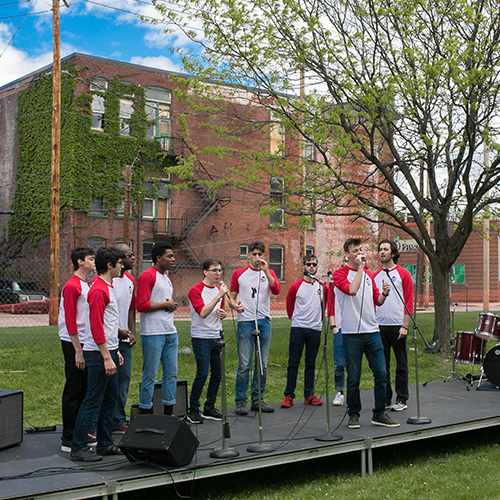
x: 441, y: 284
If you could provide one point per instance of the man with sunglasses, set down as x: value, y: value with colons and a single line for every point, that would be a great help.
x: 206, y: 302
x: 251, y: 289
x: 304, y: 306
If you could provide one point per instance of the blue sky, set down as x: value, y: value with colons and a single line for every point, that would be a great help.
x: 100, y: 28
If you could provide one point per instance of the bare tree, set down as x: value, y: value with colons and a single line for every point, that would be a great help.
x: 403, y: 87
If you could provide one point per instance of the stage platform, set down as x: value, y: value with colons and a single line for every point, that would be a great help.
x: 38, y: 469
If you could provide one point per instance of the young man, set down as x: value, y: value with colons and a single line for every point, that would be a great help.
x: 393, y: 320
x: 124, y: 286
x: 158, y: 333
x: 304, y: 306
x: 74, y: 327
x: 206, y: 302
x: 358, y: 295
x: 251, y: 289
x: 102, y: 358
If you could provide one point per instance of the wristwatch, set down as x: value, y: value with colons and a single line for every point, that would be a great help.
x: 332, y: 327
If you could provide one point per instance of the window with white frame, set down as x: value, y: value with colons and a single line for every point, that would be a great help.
x: 244, y: 250
x: 277, y: 260
x: 157, y: 203
x: 277, y: 195
x: 126, y: 110
x: 98, y: 87
x: 158, y: 112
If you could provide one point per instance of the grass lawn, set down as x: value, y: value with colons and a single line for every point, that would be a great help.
x: 457, y: 467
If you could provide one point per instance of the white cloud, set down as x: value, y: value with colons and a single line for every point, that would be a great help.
x: 160, y: 62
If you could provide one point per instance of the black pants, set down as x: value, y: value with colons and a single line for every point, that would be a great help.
x: 74, y: 391
x: 390, y: 340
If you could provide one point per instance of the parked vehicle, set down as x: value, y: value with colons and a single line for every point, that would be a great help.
x: 18, y: 290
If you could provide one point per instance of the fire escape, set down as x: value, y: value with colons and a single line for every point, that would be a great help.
x: 180, y: 229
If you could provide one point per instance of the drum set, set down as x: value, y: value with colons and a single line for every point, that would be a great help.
x: 470, y: 347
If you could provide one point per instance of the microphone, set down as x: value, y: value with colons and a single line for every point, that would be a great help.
x: 363, y: 260
x: 329, y: 274
x: 313, y: 277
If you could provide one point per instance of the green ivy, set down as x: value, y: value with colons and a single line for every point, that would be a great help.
x: 91, y: 162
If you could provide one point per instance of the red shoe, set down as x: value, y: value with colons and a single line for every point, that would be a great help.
x: 288, y: 401
x: 312, y: 400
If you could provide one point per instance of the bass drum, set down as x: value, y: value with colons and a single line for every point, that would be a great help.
x: 492, y: 365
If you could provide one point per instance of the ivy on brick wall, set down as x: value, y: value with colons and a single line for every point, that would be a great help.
x: 91, y: 163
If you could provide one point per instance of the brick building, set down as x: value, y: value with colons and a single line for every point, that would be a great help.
x: 103, y: 111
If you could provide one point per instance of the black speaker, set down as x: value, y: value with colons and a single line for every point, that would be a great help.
x: 11, y: 418
x: 161, y: 439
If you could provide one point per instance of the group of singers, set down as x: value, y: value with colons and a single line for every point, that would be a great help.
x: 368, y: 314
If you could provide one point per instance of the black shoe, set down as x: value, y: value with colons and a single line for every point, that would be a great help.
x: 146, y: 411
x: 194, y: 416
x: 168, y: 410
x: 112, y: 449
x: 241, y: 409
x: 265, y: 408
x: 212, y: 414
x: 85, y: 455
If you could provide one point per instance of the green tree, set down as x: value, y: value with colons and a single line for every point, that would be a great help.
x: 405, y: 88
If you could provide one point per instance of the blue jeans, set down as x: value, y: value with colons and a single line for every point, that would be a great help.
x: 298, y: 338
x: 246, y: 342
x: 99, y: 403
x: 124, y: 376
x: 156, y: 348
x: 371, y: 345
x: 207, y: 356
x: 338, y: 361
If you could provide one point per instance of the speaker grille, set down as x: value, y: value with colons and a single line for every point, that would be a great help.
x: 11, y: 418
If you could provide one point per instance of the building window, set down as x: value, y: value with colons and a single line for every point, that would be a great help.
x: 146, y: 259
x: 126, y: 110
x: 157, y: 202
x: 158, y: 111
x: 309, y: 250
x: 244, y: 251
x: 277, y: 260
x: 97, y: 207
x: 277, y: 218
x: 99, y: 87
x: 96, y: 242
x: 277, y: 135
x: 309, y: 151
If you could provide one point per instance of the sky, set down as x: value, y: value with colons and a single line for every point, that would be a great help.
x: 104, y: 28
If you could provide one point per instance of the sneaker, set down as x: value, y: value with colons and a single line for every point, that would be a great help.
x: 399, y: 406
x: 212, y: 414
x: 313, y: 400
x: 384, y: 420
x: 265, y: 408
x: 354, y: 421
x: 194, y: 416
x: 121, y: 430
x: 111, y: 449
x: 339, y: 399
x: 241, y: 409
x: 287, y: 402
x: 66, y: 446
x: 85, y: 455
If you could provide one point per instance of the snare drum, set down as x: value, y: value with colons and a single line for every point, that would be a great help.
x: 488, y: 327
x: 469, y: 348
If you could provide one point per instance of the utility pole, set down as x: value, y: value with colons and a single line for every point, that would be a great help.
x: 126, y: 199
x: 302, y: 235
x: 55, y: 172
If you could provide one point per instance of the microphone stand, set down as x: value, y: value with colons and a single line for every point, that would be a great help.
x: 259, y: 447
x: 326, y: 326
x: 226, y: 432
x: 418, y: 419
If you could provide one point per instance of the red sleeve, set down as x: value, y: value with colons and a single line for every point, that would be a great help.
x: 98, y: 300
x: 132, y: 302
x: 71, y: 291
x: 340, y: 280
x: 144, y: 286
x: 275, y: 289
x: 235, y: 285
x: 195, y: 297
x: 407, y: 288
x: 290, y: 298
x: 330, y: 299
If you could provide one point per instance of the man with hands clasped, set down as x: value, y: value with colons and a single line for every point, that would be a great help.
x: 357, y: 298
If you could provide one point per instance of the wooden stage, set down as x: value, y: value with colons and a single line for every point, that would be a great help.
x: 38, y: 469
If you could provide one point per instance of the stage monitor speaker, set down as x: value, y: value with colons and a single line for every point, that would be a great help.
x: 11, y: 418
x: 161, y: 439
x: 181, y: 399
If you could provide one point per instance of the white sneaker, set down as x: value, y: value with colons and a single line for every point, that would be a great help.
x: 399, y: 406
x: 339, y: 399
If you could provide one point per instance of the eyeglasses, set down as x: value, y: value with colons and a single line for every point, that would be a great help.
x: 215, y: 270
x: 312, y: 264
x: 131, y: 254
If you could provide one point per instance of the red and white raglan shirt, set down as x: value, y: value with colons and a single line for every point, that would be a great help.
x: 154, y: 286
x: 333, y: 306
x: 352, y: 306
x: 392, y: 311
x: 243, y: 282
x: 124, y: 286
x: 199, y: 296
x: 103, y: 314
x: 74, y: 310
x: 304, y: 304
